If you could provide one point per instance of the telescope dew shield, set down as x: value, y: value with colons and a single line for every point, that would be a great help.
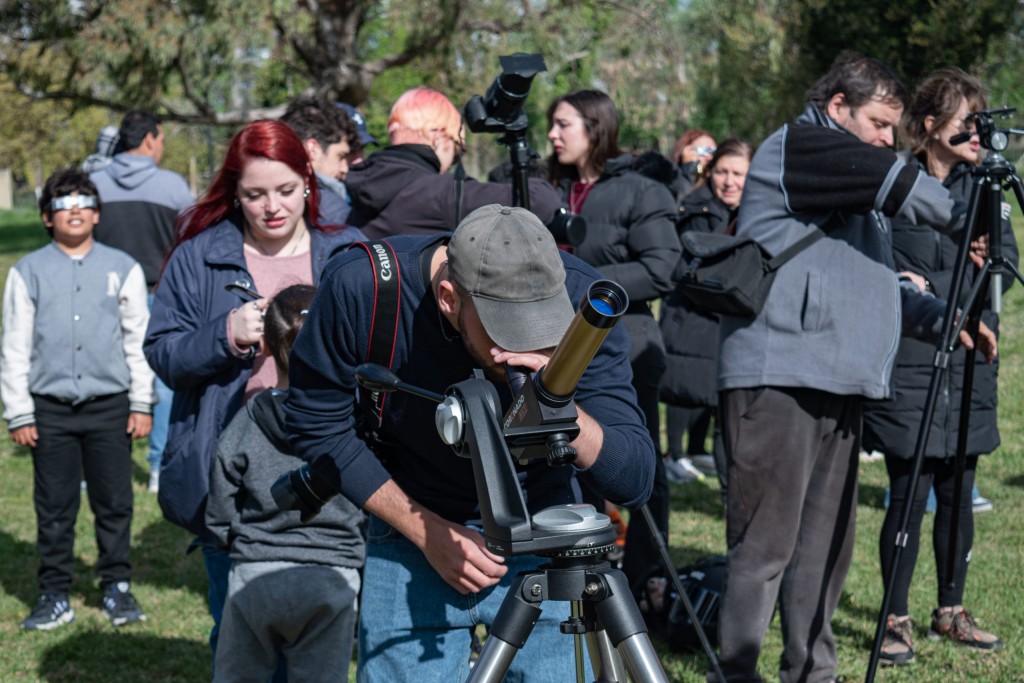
x: 600, y: 310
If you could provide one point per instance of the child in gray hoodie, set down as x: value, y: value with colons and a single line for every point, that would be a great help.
x: 293, y: 586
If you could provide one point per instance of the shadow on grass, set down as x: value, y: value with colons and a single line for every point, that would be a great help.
x: 159, y: 559
x: 1017, y: 480
x: 18, y: 562
x: 856, y: 614
x: 140, y: 474
x: 871, y: 495
x: 101, y: 656
x: 18, y: 572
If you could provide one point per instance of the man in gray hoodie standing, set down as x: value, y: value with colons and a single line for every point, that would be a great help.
x: 140, y: 204
x: 793, y: 378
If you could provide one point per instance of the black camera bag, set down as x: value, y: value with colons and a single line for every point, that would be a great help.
x: 667, y: 617
x: 731, y: 275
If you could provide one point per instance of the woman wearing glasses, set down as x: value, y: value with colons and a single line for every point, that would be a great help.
x: 691, y: 154
x: 941, y: 109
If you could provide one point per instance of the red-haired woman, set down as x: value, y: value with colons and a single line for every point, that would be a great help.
x: 691, y: 153
x: 255, y: 224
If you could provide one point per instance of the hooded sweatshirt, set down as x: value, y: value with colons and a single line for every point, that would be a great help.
x: 140, y: 202
x: 833, y: 318
x: 241, y: 513
x: 400, y: 190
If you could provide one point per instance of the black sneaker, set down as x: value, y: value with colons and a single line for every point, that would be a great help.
x: 119, y: 605
x: 51, y: 611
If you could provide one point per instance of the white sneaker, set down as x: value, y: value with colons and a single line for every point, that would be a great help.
x: 154, y: 481
x: 872, y: 456
x: 681, y: 471
x: 705, y: 463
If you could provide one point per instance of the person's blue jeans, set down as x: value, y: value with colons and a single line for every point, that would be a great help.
x: 161, y: 420
x: 218, y: 566
x: 413, y: 626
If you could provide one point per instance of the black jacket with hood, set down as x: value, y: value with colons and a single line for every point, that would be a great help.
x: 400, y: 190
x: 631, y: 239
x: 690, y: 333
x: 892, y: 426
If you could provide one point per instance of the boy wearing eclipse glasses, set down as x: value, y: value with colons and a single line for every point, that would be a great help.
x: 76, y: 390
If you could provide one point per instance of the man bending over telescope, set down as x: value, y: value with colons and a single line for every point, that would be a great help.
x: 497, y: 292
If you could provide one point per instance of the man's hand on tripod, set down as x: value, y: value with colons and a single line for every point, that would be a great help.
x: 455, y: 552
x: 458, y: 554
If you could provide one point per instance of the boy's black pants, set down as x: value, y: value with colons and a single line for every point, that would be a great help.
x: 87, y: 440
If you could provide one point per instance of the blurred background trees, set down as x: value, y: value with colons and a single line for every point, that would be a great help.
x: 735, y: 67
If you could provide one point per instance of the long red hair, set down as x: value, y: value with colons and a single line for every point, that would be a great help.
x: 268, y: 139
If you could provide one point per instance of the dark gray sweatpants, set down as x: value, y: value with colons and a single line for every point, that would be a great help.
x: 792, y: 462
x: 303, y: 612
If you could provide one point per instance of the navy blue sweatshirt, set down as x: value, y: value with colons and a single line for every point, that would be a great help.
x: 320, y: 409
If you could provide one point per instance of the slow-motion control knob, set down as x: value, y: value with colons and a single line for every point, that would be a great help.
x: 449, y: 420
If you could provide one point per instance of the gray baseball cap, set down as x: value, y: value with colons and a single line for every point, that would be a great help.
x: 509, y: 263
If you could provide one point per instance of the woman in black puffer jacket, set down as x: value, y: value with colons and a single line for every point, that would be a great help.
x: 631, y: 239
x: 689, y: 385
x: 940, y: 109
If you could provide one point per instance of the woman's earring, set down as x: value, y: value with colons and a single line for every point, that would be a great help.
x: 237, y: 204
x: 305, y: 194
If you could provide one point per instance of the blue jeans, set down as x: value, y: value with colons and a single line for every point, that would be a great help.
x: 415, y: 627
x: 218, y: 566
x: 161, y: 420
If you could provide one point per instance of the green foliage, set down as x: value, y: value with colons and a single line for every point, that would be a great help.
x: 735, y: 67
x: 743, y: 67
x: 751, y: 61
x: 69, y: 134
x: 913, y: 37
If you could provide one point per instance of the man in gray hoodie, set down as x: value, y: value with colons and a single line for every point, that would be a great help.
x: 140, y: 204
x: 793, y: 378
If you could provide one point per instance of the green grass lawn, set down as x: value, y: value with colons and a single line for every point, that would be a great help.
x: 172, y: 644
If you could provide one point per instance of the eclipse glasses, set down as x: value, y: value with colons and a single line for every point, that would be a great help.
x: 82, y: 201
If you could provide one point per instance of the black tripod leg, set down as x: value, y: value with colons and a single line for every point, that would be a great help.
x: 963, y: 429
x: 943, y: 359
x: 507, y: 636
x: 670, y: 571
x: 621, y: 619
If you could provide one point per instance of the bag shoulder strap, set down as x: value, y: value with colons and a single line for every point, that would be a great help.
x: 387, y: 297
x: 794, y: 249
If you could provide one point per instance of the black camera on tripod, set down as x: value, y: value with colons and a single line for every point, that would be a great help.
x: 991, y: 138
x: 501, y: 111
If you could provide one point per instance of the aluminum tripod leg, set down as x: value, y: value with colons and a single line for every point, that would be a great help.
x: 610, y: 617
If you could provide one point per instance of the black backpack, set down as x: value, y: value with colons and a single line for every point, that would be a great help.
x: 666, y: 615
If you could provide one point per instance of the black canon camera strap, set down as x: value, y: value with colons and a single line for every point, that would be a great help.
x: 387, y: 297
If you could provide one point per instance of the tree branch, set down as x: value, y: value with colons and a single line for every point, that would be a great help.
x: 186, y: 82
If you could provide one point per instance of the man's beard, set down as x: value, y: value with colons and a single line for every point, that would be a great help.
x: 483, y: 358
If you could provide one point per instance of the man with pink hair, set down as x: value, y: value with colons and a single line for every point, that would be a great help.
x: 406, y: 188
